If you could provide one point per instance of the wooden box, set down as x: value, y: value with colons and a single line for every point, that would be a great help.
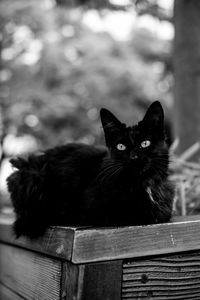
x: 144, y: 262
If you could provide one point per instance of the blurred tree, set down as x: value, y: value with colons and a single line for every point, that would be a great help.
x: 153, y: 8
x: 187, y: 72
x: 150, y: 7
x: 61, y: 73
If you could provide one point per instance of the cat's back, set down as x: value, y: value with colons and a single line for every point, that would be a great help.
x: 70, y: 153
x: 74, y: 159
x: 76, y: 153
x: 67, y: 160
x: 56, y: 170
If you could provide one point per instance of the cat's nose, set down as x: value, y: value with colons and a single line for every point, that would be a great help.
x: 133, y: 156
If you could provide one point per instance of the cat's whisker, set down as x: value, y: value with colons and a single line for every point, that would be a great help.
x: 163, y: 167
x: 158, y: 170
x: 163, y: 159
x: 108, y: 164
x: 113, y: 172
x: 107, y: 169
x: 105, y: 176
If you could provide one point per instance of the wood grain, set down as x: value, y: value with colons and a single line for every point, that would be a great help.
x: 92, y: 281
x: 102, y: 281
x: 30, y: 275
x: 81, y: 245
x: 7, y: 294
x: 72, y: 279
x: 58, y: 241
x: 170, y: 277
x: 119, y: 243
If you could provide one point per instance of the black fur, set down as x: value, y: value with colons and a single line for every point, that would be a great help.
x: 82, y: 185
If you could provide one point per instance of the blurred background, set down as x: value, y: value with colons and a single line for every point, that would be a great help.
x: 62, y: 60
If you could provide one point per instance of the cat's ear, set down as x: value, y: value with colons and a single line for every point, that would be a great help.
x: 108, y: 120
x: 111, y: 125
x: 154, y: 116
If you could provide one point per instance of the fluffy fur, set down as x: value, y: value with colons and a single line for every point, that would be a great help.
x: 80, y: 185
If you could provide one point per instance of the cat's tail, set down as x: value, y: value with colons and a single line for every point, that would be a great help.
x: 26, y: 187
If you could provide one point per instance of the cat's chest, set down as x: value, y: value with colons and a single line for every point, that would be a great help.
x: 135, y: 193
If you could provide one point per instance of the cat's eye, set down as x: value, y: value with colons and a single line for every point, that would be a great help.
x: 145, y: 144
x: 121, y: 147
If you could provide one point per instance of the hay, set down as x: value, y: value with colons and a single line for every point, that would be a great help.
x: 186, y: 176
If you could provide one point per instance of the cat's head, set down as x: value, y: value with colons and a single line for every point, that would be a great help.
x: 140, y: 148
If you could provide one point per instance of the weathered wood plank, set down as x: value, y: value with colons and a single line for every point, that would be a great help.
x: 7, y: 294
x: 58, y: 241
x: 143, y: 296
x: 171, y: 277
x: 72, y: 278
x: 92, y: 281
x: 30, y: 275
x: 81, y: 245
x: 118, y: 243
x: 102, y: 281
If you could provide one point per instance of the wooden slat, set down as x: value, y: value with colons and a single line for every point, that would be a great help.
x: 172, y: 277
x: 81, y: 245
x: 102, y: 281
x: 58, y: 241
x: 30, y: 275
x: 147, y: 296
x: 92, y: 281
x: 72, y: 278
x: 7, y: 294
x: 139, y: 241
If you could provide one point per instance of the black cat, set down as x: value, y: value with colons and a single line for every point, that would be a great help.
x: 80, y: 185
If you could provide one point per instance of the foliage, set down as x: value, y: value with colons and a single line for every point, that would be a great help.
x: 57, y: 74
